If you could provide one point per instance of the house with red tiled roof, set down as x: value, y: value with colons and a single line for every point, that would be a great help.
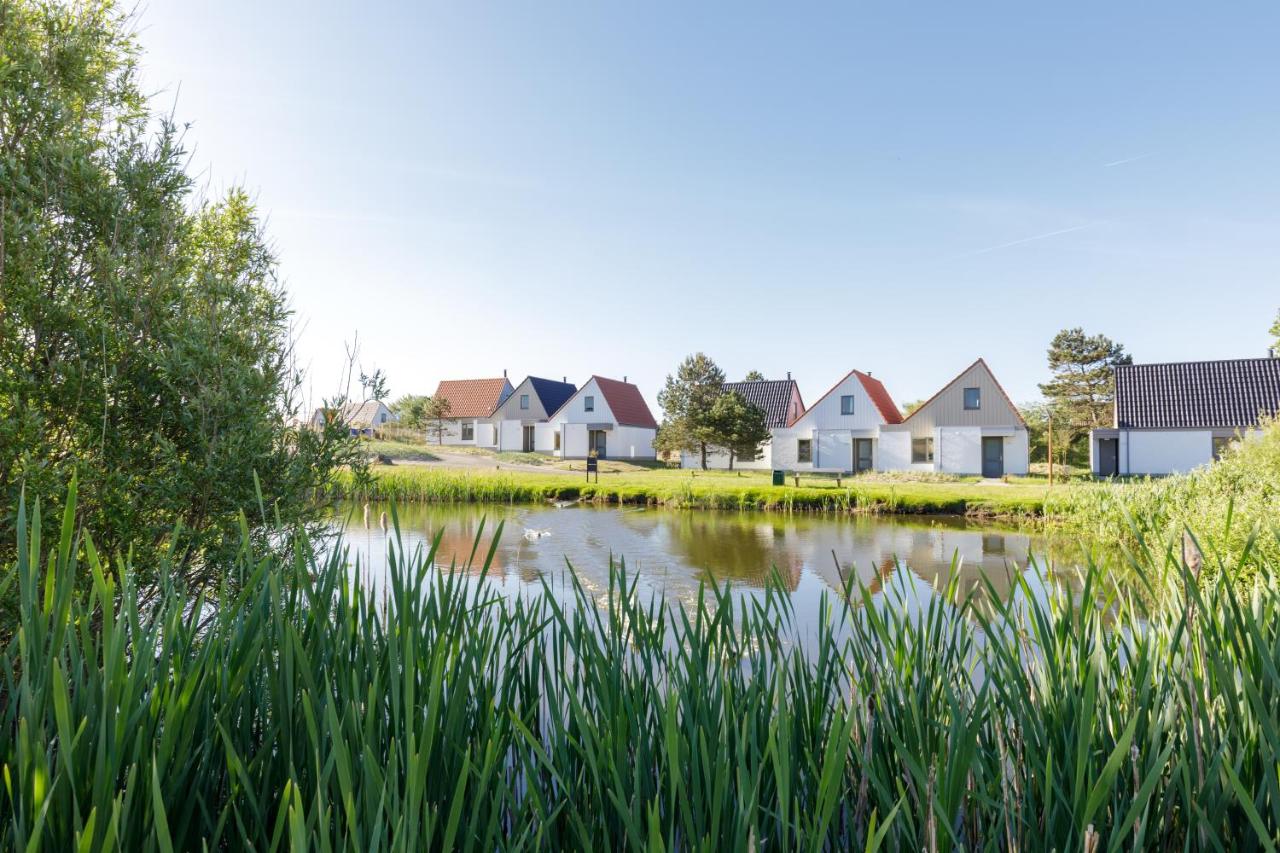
x: 969, y: 427
x: 472, y: 403
x: 840, y: 432
x: 604, y: 418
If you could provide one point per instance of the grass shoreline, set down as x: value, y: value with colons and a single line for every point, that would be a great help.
x: 680, y: 491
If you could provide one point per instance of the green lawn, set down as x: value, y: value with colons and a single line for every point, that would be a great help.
x: 719, y: 490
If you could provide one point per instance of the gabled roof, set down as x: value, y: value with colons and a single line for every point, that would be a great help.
x: 1229, y: 393
x: 875, y: 390
x: 553, y: 394
x: 772, y: 396
x: 1017, y: 414
x: 473, y: 398
x: 625, y: 401
x: 352, y: 413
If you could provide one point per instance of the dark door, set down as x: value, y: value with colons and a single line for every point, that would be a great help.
x: 861, y: 454
x: 1108, y: 457
x: 993, y: 457
x: 596, y: 443
x: 528, y: 439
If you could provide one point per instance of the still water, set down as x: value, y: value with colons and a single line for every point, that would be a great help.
x: 674, y: 552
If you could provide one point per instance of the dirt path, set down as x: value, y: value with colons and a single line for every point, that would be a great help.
x: 475, y: 462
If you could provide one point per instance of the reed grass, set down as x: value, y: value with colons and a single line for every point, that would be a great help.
x: 296, y: 709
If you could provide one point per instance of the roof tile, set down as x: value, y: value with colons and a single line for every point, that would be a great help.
x: 473, y: 398
x: 1229, y: 393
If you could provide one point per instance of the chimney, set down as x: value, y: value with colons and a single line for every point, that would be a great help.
x: 788, y: 375
x: 504, y: 373
x: 564, y: 379
x: 624, y: 377
x: 1271, y: 352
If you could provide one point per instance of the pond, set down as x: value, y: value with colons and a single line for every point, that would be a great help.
x: 673, y: 552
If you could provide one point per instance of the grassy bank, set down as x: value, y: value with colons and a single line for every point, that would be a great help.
x: 307, y: 713
x: 708, y: 490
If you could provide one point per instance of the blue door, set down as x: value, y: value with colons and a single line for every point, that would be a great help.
x: 993, y: 457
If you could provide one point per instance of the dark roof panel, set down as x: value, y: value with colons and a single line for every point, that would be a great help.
x: 772, y: 396
x: 553, y: 394
x: 1197, y: 393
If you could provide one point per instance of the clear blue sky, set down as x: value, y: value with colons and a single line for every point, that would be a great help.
x: 572, y: 189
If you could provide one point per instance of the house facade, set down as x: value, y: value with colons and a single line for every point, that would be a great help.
x: 604, y: 418
x: 782, y: 405
x: 1170, y: 418
x: 472, y: 403
x: 364, y: 418
x: 970, y: 427
x: 521, y: 421
x: 841, y: 431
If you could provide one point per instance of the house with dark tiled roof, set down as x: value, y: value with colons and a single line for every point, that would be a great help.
x: 604, y: 418
x: 472, y: 403
x: 522, y: 420
x: 1177, y: 416
x: 781, y: 403
x: 840, y: 432
x: 970, y: 426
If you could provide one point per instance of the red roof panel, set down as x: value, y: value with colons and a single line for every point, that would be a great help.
x: 473, y: 398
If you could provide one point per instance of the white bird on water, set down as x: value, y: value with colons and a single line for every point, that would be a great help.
x: 530, y: 533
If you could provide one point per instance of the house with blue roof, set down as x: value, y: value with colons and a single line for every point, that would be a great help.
x: 521, y: 421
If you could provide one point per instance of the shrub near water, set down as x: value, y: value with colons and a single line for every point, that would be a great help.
x: 306, y: 712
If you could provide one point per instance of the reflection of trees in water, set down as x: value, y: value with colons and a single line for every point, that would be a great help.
x: 724, y: 547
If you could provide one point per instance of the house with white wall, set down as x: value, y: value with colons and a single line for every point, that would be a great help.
x: 969, y: 427
x: 1174, y: 417
x: 521, y: 421
x: 604, y: 418
x: 782, y: 405
x: 361, y: 418
x: 840, y: 432
x: 472, y: 403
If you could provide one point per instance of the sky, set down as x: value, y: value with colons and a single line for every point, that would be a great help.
x: 603, y: 188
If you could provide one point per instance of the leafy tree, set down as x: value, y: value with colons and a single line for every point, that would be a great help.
x: 412, y: 410
x: 740, y: 427
x: 754, y: 376
x: 144, y: 336
x: 1275, y: 334
x: 687, y: 400
x: 911, y: 405
x: 435, y: 411
x: 374, y: 385
x: 1082, y: 391
x: 1039, y: 416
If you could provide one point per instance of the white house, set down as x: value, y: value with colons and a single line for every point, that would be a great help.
x: 969, y: 427
x: 361, y: 418
x: 781, y: 403
x: 840, y: 432
x: 472, y: 403
x: 521, y: 421
x: 1175, y: 417
x: 604, y: 418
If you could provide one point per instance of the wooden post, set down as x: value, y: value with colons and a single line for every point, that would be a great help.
x: 1050, y: 449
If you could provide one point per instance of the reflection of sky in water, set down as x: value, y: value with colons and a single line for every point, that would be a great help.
x: 673, y: 552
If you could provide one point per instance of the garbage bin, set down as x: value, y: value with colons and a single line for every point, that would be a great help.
x: 779, y: 477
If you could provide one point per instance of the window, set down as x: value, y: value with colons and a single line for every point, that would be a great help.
x: 524, y: 401
x: 384, y: 417
x: 1220, y: 445
x: 973, y: 398
x: 588, y: 403
x: 846, y: 404
x: 468, y: 432
x: 921, y: 451
x: 804, y: 450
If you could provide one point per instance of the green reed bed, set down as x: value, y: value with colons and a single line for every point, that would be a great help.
x: 679, y: 489
x: 296, y: 710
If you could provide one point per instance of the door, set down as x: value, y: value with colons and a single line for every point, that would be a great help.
x: 993, y: 457
x: 528, y: 439
x: 861, y: 454
x: 1108, y: 457
x: 596, y: 443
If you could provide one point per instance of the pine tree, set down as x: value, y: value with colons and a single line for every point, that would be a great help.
x: 740, y: 427
x: 687, y: 400
x: 1081, y: 393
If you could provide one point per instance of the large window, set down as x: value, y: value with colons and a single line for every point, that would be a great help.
x: 973, y: 398
x: 588, y: 403
x: 524, y: 401
x: 921, y: 451
x: 804, y: 450
x: 468, y: 432
x: 846, y: 404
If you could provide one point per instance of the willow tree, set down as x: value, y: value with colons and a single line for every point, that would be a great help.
x: 144, y: 334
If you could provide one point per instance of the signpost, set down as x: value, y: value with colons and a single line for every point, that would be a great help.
x: 593, y: 467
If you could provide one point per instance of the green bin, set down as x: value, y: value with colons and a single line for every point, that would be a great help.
x: 779, y: 477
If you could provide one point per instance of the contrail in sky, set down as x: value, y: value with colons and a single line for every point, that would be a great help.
x: 1128, y: 160
x: 1032, y: 239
